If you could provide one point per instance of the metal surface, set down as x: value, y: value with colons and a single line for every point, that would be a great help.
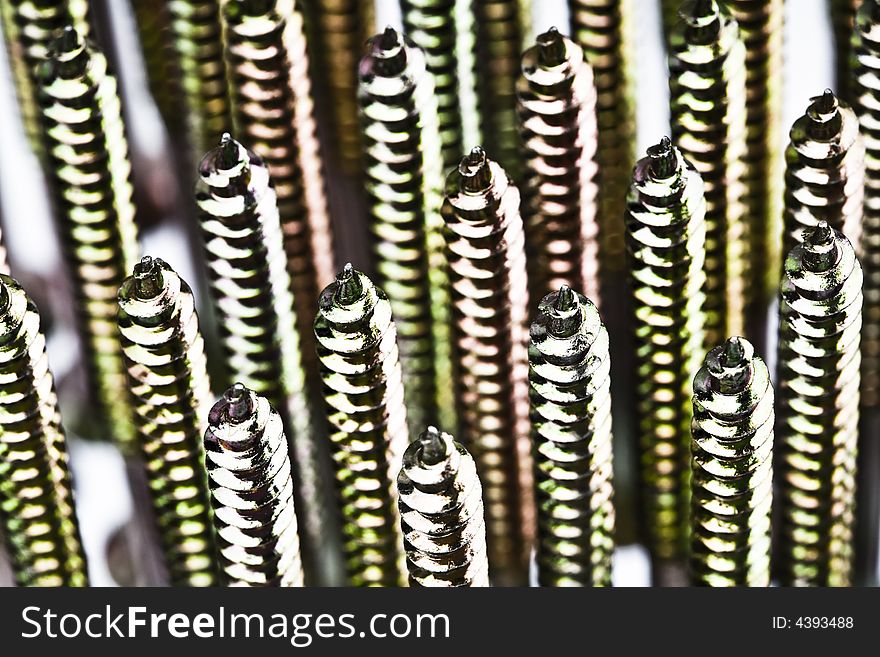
x: 441, y: 511
x: 570, y: 392
x: 39, y: 522
x: 364, y: 401
x: 843, y: 14
x: 818, y: 409
x: 732, y: 465
x: 252, y: 491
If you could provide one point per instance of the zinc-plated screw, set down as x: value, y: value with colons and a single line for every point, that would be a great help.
x: 252, y: 491
x: 340, y: 28
x: 866, y: 92
x: 251, y: 293
x: 818, y: 413
x: 569, y: 375
x: 89, y: 178
x: 431, y: 26
x: 363, y: 394
x: 825, y: 170
x: 273, y: 109
x: 30, y: 28
x: 167, y: 373
x: 197, y: 42
x: 38, y: 515
x: 707, y: 85
x: 666, y: 231
x: 732, y: 468
x: 760, y: 27
x: 441, y: 513
x: 502, y: 28
x: 487, y: 270
x: 557, y: 119
x: 605, y: 30
x: 402, y: 160
x: 843, y: 13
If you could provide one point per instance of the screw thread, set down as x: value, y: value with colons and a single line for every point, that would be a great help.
x: 252, y: 491
x: 732, y: 468
x: 824, y: 175
x: 403, y: 180
x: 153, y: 22
x: 486, y: 254
x: 818, y: 410
x: 867, y: 99
x: 364, y: 400
x: 89, y: 179
x: 441, y: 511
x: 251, y: 293
x: 665, y: 228
x: 167, y: 373
x: 557, y: 119
x: 40, y: 526
x: 707, y: 85
x: 605, y: 30
x: 570, y: 391
x: 843, y: 13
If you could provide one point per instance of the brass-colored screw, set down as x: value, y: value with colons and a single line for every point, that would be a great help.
x: 487, y: 270
x: 39, y: 521
x: 843, y: 13
x: 402, y: 159
x: 707, y: 85
x: 665, y: 229
x: 605, y: 30
x: 251, y: 293
x: 732, y: 465
x: 89, y: 179
x: 153, y: 22
x: 818, y: 412
x: 441, y: 513
x: 364, y: 399
x: 557, y: 119
x: 824, y: 174
x: 252, y: 491
x: 273, y: 112
x: 30, y: 28
x: 570, y: 390
x: 167, y: 373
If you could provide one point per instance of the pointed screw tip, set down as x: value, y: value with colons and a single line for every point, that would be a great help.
x: 433, y: 447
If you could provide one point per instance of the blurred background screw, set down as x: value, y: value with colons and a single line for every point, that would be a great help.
x: 843, y: 13
x: 732, y: 464
x: 569, y: 370
x: 441, y: 511
x: 818, y: 411
x: 252, y: 490
x: 167, y: 373
x: 40, y: 526
x: 364, y: 400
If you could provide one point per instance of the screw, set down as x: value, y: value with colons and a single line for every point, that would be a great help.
x: 818, y: 413
x: 197, y: 42
x: 251, y: 294
x: 441, y: 510
x: 502, y: 28
x: 487, y: 269
x: 665, y: 230
x: 843, y: 13
x: 153, y: 22
x: 38, y: 514
x: 557, y: 119
x: 707, y: 85
x: 89, y: 178
x: 431, y: 26
x: 732, y: 468
x: 760, y: 25
x: 605, y: 30
x: 252, y: 491
x: 167, y: 373
x: 272, y: 108
x: 824, y: 175
x: 30, y: 28
x: 570, y: 390
x: 402, y: 160
x: 364, y: 400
